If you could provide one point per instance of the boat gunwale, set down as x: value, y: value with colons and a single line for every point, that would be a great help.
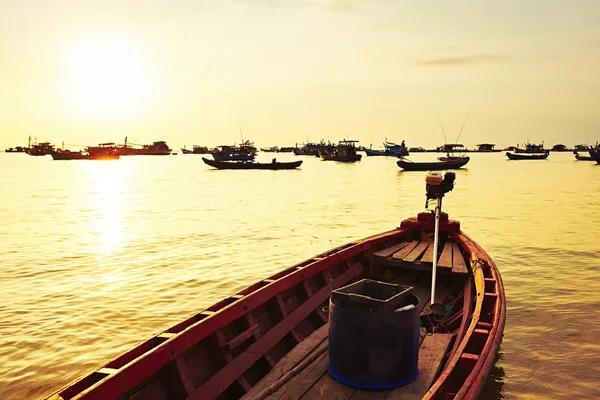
x: 471, y: 388
x: 143, y: 366
x: 148, y: 363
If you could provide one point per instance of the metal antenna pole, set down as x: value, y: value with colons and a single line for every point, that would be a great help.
x: 435, y: 307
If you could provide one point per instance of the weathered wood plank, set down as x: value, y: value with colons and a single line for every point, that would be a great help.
x: 431, y: 354
x: 416, y: 252
x: 458, y: 263
x: 329, y: 388
x: 304, y: 381
x: 290, y: 360
x: 445, y: 260
x: 391, y: 250
x: 428, y: 255
x: 222, y: 379
x: 404, y: 252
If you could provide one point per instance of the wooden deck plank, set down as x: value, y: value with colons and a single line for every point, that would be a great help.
x: 428, y: 255
x: 391, y: 250
x: 290, y: 360
x: 225, y: 376
x: 404, y: 252
x: 458, y: 261
x: 315, y: 382
x: 304, y: 381
x: 431, y: 353
x: 327, y: 387
x: 445, y: 260
x: 416, y: 252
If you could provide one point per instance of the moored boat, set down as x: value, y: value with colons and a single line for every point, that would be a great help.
x: 345, y: 151
x: 159, y: 148
x: 531, y: 148
x: 196, y: 149
x: 273, y: 165
x: 69, y: 155
x: 18, y: 149
x: 244, y: 152
x: 371, y: 152
x: 272, y: 338
x: 40, y: 149
x: 396, y: 150
x: 580, y: 157
x: 527, y: 156
x: 453, y: 152
x: 101, y: 152
x: 408, y: 165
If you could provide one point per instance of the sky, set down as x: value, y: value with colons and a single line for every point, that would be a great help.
x: 287, y: 71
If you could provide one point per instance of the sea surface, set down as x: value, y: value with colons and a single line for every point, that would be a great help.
x: 96, y: 256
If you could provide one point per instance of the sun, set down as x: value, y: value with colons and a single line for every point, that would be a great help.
x: 106, y: 77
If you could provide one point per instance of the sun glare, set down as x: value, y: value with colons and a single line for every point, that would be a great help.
x: 106, y: 77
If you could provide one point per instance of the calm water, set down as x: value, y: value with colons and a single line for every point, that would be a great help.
x: 98, y: 256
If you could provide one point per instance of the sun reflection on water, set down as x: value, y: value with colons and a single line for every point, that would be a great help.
x: 107, y: 199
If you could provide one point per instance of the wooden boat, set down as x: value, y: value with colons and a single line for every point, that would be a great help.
x: 271, y: 339
x: 582, y: 157
x: 432, y: 165
x: 196, y: 150
x: 396, y: 150
x: 314, y: 149
x: 274, y: 165
x: 69, y: 155
x: 18, y: 149
x: 531, y: 148
x: 91, y: 153
x: 371, y: 152
x: 273, y: 149
x: 345, y: 151
x: 40, y: 149
x: 527, y: 156
x: 234, y: 153
x: 159, y: 148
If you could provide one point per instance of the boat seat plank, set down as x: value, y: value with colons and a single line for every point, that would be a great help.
x: 404, y: 252
x: 391, y: 250
x: 315, y: 382
x: 428, y: 255
x: 458, y: 263
x: 445, y: 260
x: 417, y: 251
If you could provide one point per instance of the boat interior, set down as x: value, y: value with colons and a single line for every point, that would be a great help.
x: 270, y: 340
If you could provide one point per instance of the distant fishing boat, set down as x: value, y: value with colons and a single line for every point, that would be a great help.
x: 273, y: 149
x: 453, y: 152
x: 159, y: 148
x: 396, y: 150
x: 314, y: 149
x: 371, y: 152
x: 527, y: 156
x: 582, y: 157
x: 245, y: 152
x: 284, y: 337
x: 345, y: 151
x: 408, y: 165
x: 274, y: 165
x: 90, y: 153
x: 196, y: 150
x: 41, y: 149
x: 531, y: 148
x: 17, y: 149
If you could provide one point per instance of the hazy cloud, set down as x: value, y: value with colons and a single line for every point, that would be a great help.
x: 460, y: 60
x: 385, y: 26
x: 344, y: 5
